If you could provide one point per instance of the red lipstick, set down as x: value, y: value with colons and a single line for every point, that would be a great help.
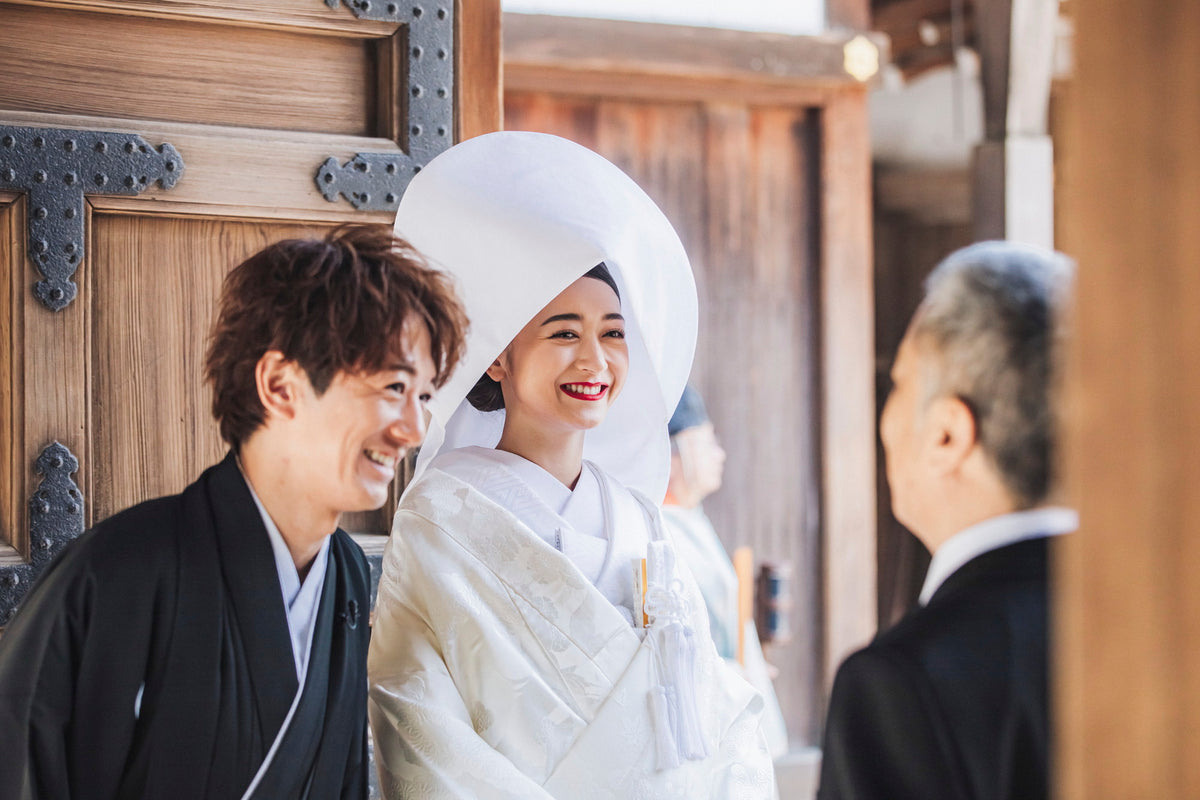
x: 596, y: 391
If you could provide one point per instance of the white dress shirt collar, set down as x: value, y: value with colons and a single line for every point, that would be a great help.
x: 300, y: 600
x: 992, y: 534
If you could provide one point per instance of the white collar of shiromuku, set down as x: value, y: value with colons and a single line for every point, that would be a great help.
x: 517, y: 217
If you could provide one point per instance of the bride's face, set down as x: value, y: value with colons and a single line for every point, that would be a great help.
x: 565, y: 368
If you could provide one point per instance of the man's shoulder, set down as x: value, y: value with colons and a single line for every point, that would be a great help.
x: 984, y: 610
x: 970, y: 644
x: 138, y: 534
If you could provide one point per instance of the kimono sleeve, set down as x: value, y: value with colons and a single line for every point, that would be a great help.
x: 69, y: 673
x: 883, y: 738
x: 426, y: 745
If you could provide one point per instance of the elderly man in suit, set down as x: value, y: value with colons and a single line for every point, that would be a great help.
x: 952, y: 701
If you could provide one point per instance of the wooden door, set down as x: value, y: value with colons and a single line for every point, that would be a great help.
x: 145, y: 149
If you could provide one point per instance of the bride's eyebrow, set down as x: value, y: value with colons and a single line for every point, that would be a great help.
x: 562, y: 318
x: 577, y: 318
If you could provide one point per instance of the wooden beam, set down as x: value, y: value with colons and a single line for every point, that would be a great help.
x: 890, y: 16
x: 604, y: 54
x: 566, y: 81
x: 932, y: 196
x: 1128, y: 649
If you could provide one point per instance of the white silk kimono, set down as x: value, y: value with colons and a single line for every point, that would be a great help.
x: 499, y: 671
x: 497, y: 668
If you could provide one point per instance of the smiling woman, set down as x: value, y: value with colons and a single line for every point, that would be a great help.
x: 512, y: 652
x: 560, y: 374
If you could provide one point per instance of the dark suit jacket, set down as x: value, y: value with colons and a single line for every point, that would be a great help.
x: 952, y: 701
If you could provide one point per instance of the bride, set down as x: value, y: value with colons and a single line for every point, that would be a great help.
x: 533, y: 636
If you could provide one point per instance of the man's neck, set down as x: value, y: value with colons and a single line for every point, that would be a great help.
x: 961, y: 510
x: 302, y: 527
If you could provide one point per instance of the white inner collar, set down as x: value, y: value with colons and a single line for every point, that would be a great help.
x: 992, y: 534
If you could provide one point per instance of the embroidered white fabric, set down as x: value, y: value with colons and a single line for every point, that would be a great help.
x: 497, y: 669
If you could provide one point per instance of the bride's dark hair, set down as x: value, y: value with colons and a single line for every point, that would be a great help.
x: 485, y: 395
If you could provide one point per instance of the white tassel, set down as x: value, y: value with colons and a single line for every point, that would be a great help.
x: 665, y: 745
x: 678, y: 732
x: 688, y: 732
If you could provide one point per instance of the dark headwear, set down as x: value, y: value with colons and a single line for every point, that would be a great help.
x: 689, y: 413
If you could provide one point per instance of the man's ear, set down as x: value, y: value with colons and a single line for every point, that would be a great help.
x: 954, y: 433
x: 280, y: 383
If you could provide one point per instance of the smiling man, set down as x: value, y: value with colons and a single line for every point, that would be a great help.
x: 213, y: 644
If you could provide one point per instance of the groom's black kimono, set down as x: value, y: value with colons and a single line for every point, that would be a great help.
x: 181, y: 596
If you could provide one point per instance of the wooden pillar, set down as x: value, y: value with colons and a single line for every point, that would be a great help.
x: 848, y: 354
x: 479, y: 108
x: 1014, y: 166
x: 1128, y: 630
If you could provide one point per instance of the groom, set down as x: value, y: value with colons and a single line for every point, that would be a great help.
x: 213, y: 644
x: 952, y: 702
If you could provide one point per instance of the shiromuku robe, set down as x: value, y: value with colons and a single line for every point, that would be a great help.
x: 498, y: 671
x: 153, y: 660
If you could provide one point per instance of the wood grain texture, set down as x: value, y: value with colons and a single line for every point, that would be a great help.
x: 233, y: 171
x: 739, y: 184
x: 615, y: 46
x: 848, y: 380
x: 12, y: 257
x: 184, y: 71
x: 1128, y: 630
x: 156, y: 282
x: 478, y: 91
x: 273, y: 14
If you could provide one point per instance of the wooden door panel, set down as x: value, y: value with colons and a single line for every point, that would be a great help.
x: 186, y: 71
x: 155, y: 282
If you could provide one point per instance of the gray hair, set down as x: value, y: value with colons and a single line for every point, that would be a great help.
x: 992, y: 312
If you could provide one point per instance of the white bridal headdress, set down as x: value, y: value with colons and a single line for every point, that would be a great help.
x: 516, y: 218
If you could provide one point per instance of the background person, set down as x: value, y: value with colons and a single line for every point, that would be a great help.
x: 952, y: 701
x: 213, y: 644
x: 697, y: 468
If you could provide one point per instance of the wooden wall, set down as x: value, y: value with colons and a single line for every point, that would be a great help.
x: 921, y: 216
x: 738, y: 183
x: 1128, y: 638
